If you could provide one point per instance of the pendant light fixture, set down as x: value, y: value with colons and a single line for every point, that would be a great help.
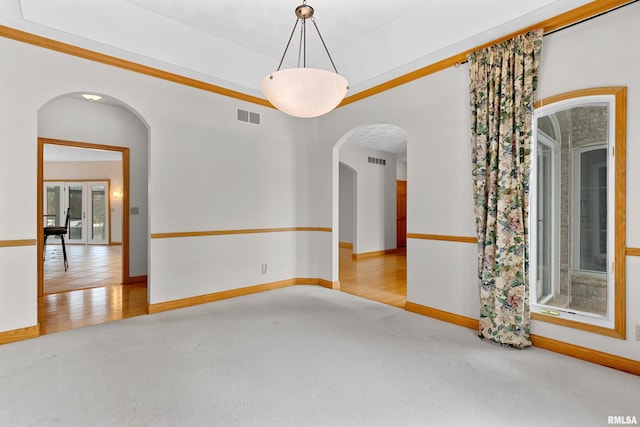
x: 302, y: 91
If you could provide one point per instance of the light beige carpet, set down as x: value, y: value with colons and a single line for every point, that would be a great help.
x: 299, y: 356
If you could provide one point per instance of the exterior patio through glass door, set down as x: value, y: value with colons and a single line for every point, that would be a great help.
x: 88, y: 203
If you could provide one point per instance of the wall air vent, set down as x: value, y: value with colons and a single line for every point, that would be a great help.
x: 248, y: 116
x: 376, y: 161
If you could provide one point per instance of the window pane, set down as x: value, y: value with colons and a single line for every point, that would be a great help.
x: 98, y: 202
x: 53, y: 210
x: 545, y: 222
x: 75, y: 211
x: 593, y: 210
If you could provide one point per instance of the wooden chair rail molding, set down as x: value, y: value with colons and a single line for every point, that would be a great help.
x: 464, y: 239
x: 566, y: 19
x: 12, y: 243
x: 594, y: 356
x: 177, y: 234
x: 633, y: 251
x: 461, y: 239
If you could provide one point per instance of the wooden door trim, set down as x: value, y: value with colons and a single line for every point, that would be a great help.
x: 401, y: 182
x: 40, y: 207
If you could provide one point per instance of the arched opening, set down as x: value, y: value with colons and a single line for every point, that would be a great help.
x: 108, y: 232
x: 347, y: 205
x: 368, y: 258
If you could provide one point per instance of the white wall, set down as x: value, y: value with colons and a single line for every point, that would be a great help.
x: 435, y: 112
x: 375, y: 198
x: 220, y: 174
x: 401, y: 170
x: 94, y: 170
x: 347, y: 204
x: 84, y: 121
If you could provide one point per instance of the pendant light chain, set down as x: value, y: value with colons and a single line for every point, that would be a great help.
x: 302, y: 48
x: 304, y: 42
x: 325, y: 45
x: 288, y: 43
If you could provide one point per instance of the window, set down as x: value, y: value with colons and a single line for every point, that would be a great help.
x: 590, y: 219
x: 577, y: 215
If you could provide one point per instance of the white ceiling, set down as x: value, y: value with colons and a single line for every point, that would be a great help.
x: 62, y: 153
x: 236, y: 43
x: 382, y: 137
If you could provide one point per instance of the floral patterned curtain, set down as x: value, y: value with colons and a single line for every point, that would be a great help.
x: 502, y: 88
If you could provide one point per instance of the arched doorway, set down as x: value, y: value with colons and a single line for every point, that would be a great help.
x: 67, y: 191
x: 72, y: 122
x: 366, y: 258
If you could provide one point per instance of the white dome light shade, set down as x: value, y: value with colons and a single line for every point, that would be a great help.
x: 304, y: 92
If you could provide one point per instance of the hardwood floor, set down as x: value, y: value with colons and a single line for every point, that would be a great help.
x: 379, y: 278
x: 86, y: 307
x: 89, y: 292
x: 90, y: 266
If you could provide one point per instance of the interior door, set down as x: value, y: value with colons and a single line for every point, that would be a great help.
x: 401, y: 213
x: 77, y: 212
x: 98, y: 212
x: 54, y: 204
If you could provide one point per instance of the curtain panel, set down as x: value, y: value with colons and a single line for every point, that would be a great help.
x: 502, y: 88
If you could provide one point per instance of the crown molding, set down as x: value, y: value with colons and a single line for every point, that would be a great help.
x: 572, y: 17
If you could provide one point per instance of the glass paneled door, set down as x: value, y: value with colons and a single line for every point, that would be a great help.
x: 54, y: 205
x: 98, y: 208
x: 77, y: 212
x: 88, y: 204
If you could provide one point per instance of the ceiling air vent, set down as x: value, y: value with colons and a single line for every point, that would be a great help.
x: 248, y: 116
x: 376, y: 161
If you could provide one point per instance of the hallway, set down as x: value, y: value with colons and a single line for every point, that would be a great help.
x: 378, y: 278
x: 86, y: 307
x: 89, y: 292
x: 90, y: 266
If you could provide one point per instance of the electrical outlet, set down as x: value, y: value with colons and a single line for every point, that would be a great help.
x: 173, y: 211
x: 264, y: 268
x: 637, y: 332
